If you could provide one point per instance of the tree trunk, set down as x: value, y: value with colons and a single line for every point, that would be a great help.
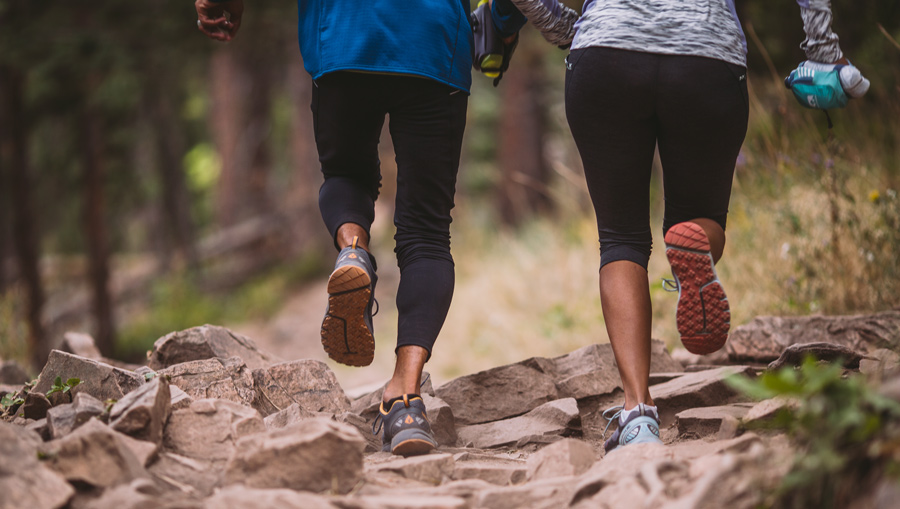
x: 25, y: 234
x: 95, y: 225
x: 524, y: 177
x: 5, y: 193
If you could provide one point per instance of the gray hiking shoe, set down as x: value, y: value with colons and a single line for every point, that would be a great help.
x: 639, y: 425
x: 406, y: 428
x: 347, y: 326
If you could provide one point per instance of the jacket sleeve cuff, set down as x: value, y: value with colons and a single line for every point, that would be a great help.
x: 507, y: 18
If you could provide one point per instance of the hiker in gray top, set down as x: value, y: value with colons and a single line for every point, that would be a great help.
x: 666, y: 75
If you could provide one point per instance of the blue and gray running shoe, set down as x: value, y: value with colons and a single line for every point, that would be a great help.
x: 406, y: 428
x: 639, y: 425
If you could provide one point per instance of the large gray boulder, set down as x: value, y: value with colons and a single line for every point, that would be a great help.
x: 763, y: 339
x: 206, y: 342
x: 306, y: 382
x: 24, y: 481
x: 314, y: 455
x: 98, y: 379
x: 556, y: 418
x: 143, y: 413
x: 228, y: 379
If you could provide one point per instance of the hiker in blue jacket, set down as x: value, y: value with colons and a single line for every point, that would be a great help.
x: 666, y: 75
x: 412, y: 61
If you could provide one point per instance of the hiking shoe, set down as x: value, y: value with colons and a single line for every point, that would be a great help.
x: 347, y: 326
x: 703, y: 315
x: 406, y: 428
x: 640, y: 425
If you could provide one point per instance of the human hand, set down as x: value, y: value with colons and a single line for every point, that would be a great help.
x: 852, y: 81
x: 220, y: 21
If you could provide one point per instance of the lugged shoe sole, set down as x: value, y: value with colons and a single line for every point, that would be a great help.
x: 345, y: 336
x: 703, y: 314
x: 411, y: 443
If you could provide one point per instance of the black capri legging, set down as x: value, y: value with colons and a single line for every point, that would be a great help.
x: 621, y: 105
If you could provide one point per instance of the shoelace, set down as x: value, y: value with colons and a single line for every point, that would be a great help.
x: 379, y: 419
x: 615, y: 417
x: 670, y: 285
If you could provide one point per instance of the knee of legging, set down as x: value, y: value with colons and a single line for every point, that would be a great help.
x: 633, y: 247
x: 414, y: 246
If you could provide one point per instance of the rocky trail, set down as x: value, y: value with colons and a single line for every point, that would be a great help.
x: 214, y: 422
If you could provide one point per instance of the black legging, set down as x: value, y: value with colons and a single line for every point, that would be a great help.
x: 621, y: 105
x: 427, y: 120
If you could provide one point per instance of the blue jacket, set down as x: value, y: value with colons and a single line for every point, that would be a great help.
x: 429, y: 38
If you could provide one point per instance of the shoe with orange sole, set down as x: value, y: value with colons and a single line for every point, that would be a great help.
x: 347, y: 327
x: 703, y: 315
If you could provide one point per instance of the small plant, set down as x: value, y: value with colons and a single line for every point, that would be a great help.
x: 59, y: 386
x: 10, y: 400
x: 847, y: 433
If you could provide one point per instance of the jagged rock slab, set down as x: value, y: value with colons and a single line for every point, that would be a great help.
x: 588, y: 371
x: 229, y: 379
x: 567, y: 457
x: 706, y: 421
x: 497, y: 471
x: 313, y: 455
x: 100, y: 380
x: 199, y: 440
x: 36, y: 406
x: 138, y: 494
x: 559, y: 417
x: 440, y: 416
x: 94, y: 455
x: 180, y: 399
x: 373, y: 442
x: 40, y: 427
x: 704, y: 388
x: 288, y: 417
x: 64, y: 419
x: 880, y: 361
x: 242, y: 497
x: 795, y: 354
x: 12, y: 373
x: 767, y: 409
x: 307, y: 382
x: 367, y: 404
x: 206, y: 342
x: 543, y: 494
x: 499, y: 393
x: 402, y: 501
x: 763, y: 339
x: 26, y: 482
x: 428, y: 468
x: 143, y: 413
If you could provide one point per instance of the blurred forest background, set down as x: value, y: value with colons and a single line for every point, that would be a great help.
x: 153, y: 180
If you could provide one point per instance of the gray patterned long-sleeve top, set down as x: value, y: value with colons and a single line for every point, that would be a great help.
x: 706, y: 28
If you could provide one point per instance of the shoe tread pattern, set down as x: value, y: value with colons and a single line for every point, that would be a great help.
x: 345, y: 336
x: 703, y: 314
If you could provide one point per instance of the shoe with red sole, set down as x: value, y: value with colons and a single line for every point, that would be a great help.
x: 703, y: 314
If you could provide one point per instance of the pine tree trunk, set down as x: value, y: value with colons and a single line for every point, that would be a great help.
x: 95, y: 226
x: 25, y: 232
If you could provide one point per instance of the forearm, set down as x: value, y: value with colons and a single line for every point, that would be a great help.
x: 555, y: 21
x: 821, y: 44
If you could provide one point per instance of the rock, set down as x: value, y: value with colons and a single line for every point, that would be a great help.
x: 35, y: 406
x: 9, y: 389
x: 403, y: 501
x: 40, y: 427
x: 621, y: 463
x: 143, y: 413
x: 288, y: 417
x: 704, y: 388
x: 880, y: 361
x: 767, y: 409
x: 64, y: 419
x: 440, y: 416
x: 661, y: 378
x: 543, y: 494
x: 367, y: 404
x: 12, y: 373
x: 307, y: 382
x: 180, y: 399
x: 685, y: 358
x: 138, y: 494
x: 795, y: 354
x: 764, y: 338
x: 705, y: 421
x: 241, y: 497
x: 100, y: 380
x: 227, y: 379
x: 199, y: 440
x: 621, y: 494
x: 94, y: 455
x: 80, y: 344
x: 588, y: 371
x: 25, y: 482
x: 559, y: 417
x: 206, y: 342
x: 568, y: 457
x: 492, y: 470
x: 373, y: 442
x: 498, y: 393
x: 313, y: 455
x: 428, y: 468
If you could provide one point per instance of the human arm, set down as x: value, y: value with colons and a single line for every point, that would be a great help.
x: 821, y: 44
x: 555, y: 21
x: 212, y: 19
